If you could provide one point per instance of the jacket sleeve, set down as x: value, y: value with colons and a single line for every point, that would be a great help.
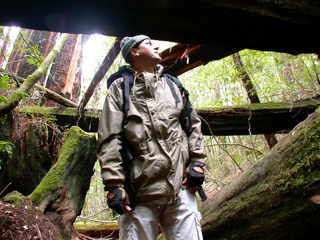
x: 195, y: 138
x: 110, y: 137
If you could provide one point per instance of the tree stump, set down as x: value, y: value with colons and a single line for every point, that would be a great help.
x: 61, y: 193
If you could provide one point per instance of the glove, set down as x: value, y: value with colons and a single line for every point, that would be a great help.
x: 194, y: 177
x: 118, y: 199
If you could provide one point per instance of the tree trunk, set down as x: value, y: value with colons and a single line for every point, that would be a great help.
x: 17, y: 62
x: 251, y: 92
x: 15, y: 98
x: 36, y: 148
x: 3, y: 51
x: 65, y: 75
x: 277, y: 198
x: 61, y: 193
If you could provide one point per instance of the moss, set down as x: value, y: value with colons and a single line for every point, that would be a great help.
x: 14, y: 198
x: 53, y: 180
x: 94, y: 226
x: 263, y: 106
x: 60, y: 111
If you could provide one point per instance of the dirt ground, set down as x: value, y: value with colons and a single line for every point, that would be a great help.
x: 24, y: 222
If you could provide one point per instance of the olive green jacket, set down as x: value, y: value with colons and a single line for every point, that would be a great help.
x: 154, y: 125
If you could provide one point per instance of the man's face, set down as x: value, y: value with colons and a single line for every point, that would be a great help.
x: 148, y: 51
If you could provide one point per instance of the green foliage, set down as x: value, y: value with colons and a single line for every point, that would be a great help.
x: 276, y: 77
x: 32, y: 55
x: 23, y: 95
x: 6, y: 146
x: 3, y: 84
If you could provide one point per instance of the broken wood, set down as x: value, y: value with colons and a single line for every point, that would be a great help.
x: 104, y: 67
x: 277, y: 198
x: 184, y: 57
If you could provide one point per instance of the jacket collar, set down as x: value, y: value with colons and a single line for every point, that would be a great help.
x: 158, y: 70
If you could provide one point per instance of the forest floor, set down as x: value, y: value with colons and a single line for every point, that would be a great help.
x: 26, y: 222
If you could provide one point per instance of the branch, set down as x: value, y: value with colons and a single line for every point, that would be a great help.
x: 104, y: 67
x: 49, y: 93
x: 15, y: 98
x: 220, y: 144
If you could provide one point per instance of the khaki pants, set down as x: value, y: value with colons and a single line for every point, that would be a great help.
x: 180, y: 220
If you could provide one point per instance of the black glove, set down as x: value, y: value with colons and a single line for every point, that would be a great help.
x: 119, y: 199
x: 195, y: 178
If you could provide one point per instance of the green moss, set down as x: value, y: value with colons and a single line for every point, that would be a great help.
x: 14, y: 198
x: 94, y: 226
x: 72, y: 112
x: 263, y: 106
x: 52, y: 181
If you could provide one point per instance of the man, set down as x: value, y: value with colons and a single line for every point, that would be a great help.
x: 167, y: 159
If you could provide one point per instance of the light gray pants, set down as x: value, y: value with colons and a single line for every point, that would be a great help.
x: 180, y: 220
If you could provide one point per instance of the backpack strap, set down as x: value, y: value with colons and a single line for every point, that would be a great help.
x: 169, y: 82
x: 116, y: 75
x: 182, y: 90
x: 127, y: 85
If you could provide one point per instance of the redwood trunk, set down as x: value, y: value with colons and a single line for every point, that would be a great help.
x: 277, y: 198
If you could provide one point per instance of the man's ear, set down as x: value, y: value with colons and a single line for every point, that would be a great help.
x: 134, y: 52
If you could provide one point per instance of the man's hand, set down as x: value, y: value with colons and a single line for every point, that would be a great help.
x: 194, y: 176
x: 118, y: 200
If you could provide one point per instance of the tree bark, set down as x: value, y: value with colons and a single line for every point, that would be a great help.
x: 14, y: 100
x: 64, y: 77
x: 277, y: 198
x: 251, y: 92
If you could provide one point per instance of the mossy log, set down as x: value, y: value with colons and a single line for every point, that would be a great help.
x: 61, y: 193
x: 277, y: 198
x: 259, y: 118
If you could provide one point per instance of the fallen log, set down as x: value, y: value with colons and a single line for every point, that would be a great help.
x: 277, y: 198
x: 263, y: 118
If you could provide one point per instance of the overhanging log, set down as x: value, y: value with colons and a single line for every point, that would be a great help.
x: 277, y: 198
x: 260, y: 118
